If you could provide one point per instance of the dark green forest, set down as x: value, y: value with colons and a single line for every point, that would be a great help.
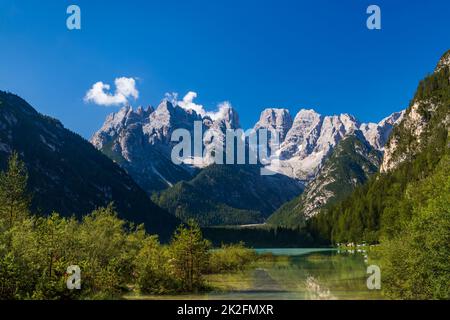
x: 228, y: 195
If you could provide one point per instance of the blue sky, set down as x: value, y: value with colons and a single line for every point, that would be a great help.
x: 255, y: 54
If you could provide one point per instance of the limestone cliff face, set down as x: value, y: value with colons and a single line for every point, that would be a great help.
x: 140, y: 140
x: 350, y: 164
x: 415, y: 124
x: 279, y: 120
x: 312, y: 138
x: 407, y: 139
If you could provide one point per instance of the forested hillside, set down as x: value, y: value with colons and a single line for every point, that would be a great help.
x: 406, y: 207
x: 228, y: 195
x: 67, y: 174
x: 352, y: 162
x: 382, y: 206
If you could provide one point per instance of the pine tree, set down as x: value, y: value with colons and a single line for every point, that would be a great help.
x: 190, y: 255
x: 14, y: 199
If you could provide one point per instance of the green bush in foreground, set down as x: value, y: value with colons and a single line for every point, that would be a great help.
x: 416, y: 263
x: 153, y: 269
x: 231, y: 258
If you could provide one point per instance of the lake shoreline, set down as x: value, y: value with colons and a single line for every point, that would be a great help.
x: 287, y: 274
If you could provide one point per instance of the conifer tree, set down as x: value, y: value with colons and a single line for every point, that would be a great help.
x: 14, y: 199
x: 190, y: 255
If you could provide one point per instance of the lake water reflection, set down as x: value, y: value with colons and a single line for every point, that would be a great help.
x: 294, y: 274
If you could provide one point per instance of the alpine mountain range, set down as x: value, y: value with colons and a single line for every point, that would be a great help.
x: 321, y: 161
x: 139, y: 140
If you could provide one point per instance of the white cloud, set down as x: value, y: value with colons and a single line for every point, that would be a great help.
x: 188, y: 104
x: 125, y: 89
x: 222, y: 111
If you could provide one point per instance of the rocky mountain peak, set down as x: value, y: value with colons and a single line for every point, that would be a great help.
x: 306, y: 115
x: 144, y: 112
x: 349, y: 122
x: 349, y: 164
x: 164, y: 110
x: 377, y: 134
x: 226, y: 117
x: 306, y: 123
x: 392, y: 119
x: 444, y: 62
x: 313, y: 137
x: 306, y: 141
x: 279, y: 120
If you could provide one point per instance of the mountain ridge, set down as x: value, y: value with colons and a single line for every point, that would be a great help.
x: 140, y: 141
x: 350, y: 164
x: 305, y: 141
